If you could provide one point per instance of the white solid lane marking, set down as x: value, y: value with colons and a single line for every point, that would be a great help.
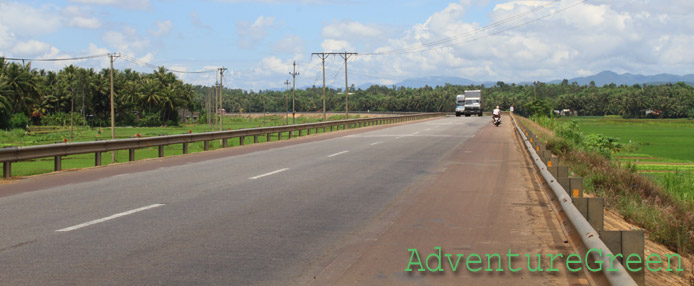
x: 268, y: 174
x: 376, y: 143
x: 338, y: 153
x: 109, y: 218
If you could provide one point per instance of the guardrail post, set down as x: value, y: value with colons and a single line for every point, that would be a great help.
x: 593, y: 209
x: 225, y: 142
x: 308, y: 131
x: 300, y: 132
x: 324, y: 129
x: 279, y: 136
x: 290, y: 134
x: 627, y: 243
x: 206, y: 145
x: 57, y: 163
x: 131, y: 154
x: 331, y: 128
x: 547, y: 155
x: 6, y: 169
x: 268, y: 137
x: 552, y: 162
x: 161, y: 151
x: 185, y: 148
x: 241, y: 140
x: 97, y: 159
x: 255, y: 139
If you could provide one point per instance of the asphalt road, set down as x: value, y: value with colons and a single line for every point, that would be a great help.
x: 265, y: 216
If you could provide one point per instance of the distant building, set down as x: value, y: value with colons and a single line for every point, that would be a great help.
x: 188, y: 116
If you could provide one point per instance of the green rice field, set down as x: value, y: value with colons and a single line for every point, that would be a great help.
x: 662, y: 149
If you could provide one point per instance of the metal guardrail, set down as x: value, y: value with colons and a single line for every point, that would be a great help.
x: 14, y: 154
x: 589, y: 236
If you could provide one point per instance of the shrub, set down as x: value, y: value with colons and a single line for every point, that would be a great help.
x: 19, y: 121
x: 62, y: 119
x: 571, y: 132
x: 601, y: 144
x: 149, y: 120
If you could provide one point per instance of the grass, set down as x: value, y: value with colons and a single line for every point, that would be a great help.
x: 662, y: 202
x: 663, y: 138
x: 49, y: 135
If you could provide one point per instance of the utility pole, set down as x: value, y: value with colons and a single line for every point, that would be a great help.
x: 286, y: 103
x: 72, y: 110
x: 294, y: 74
x: 216, y: 105
x: 221, y: 97
x: 113, y: 117
x: 346, y: 56
x: 322, y: 56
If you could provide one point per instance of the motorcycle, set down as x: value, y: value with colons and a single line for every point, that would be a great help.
x: 496, y: 121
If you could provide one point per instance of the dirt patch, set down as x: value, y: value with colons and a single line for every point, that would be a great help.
x: 614, y: 221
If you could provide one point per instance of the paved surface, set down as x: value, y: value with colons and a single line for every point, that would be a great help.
x: 337, y: 208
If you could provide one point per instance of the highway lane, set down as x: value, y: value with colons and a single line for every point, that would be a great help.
x: 266, y: 217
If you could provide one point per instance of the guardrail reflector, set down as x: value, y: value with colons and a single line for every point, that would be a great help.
x: 575, y: 193
x: 549, y: 163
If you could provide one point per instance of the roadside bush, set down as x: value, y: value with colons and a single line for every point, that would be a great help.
x: 601, y: 144
x: 559, y: 146
x: 571, y: 132
x: 126, y: 119
x: 4, y: 120
x: 19, y: 121
x: 62, y: 119
x: 149, y: 120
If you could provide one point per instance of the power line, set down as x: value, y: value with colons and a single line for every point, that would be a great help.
x: 58, y: 59
x: 143, y: 63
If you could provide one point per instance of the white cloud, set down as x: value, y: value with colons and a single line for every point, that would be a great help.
x: 85, y: 22
x: 160, y: 29
x: 125, y: 4
x: 350, y: 30
x: 331, y: 45
x: 31, y: 48
x: 29, y: 21
x: 250, y: 34
x: 80, y: 17
x: 289, y: 44
x: 195, y: 20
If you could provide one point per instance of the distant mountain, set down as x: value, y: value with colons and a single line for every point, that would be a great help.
x: 600, y: 79
x: 608, y: 77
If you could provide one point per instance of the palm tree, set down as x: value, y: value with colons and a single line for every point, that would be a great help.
x: 22, y: 87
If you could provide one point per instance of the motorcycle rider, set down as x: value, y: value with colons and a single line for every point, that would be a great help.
x: 496, y: 113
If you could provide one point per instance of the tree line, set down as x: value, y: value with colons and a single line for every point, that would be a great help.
x: 39, y: 97
x: 636, y: 101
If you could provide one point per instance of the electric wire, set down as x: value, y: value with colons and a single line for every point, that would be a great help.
x: 58, y: 59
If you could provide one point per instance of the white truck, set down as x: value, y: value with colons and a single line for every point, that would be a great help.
x: 473, y: 103
x: 459, y: 104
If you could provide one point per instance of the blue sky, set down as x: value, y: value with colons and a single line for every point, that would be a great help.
x: 258, y: 40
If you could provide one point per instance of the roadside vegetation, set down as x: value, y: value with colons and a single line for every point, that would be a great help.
x: 58, y: 134
x: 657, y: 195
